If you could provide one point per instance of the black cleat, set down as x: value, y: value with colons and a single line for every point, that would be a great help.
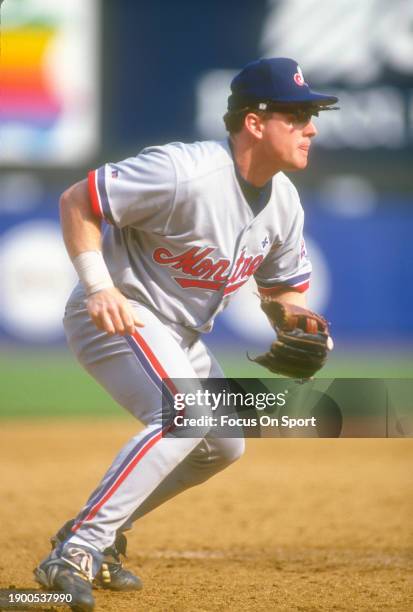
x: 70, y: 569
x: 112, y: 575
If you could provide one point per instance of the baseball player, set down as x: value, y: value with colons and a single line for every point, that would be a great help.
x: 185, y: 226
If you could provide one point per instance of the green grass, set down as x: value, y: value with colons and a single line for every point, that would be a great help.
x: 52, y: 384
x: 49, y: 384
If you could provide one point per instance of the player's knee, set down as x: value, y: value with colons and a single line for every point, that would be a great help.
x: 231, y: 449
x: 213, y: 456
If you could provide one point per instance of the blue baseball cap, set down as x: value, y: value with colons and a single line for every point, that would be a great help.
x: 277, y: 80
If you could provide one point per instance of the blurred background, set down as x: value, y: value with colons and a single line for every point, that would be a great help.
x: 88, y: 81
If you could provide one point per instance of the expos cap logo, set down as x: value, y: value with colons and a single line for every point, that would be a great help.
x: 299, y: 77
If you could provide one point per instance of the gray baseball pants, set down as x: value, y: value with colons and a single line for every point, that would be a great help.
x: 153, y: 466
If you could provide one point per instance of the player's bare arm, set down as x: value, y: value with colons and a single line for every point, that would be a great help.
x: 109, y: 309
x: 292, y: 297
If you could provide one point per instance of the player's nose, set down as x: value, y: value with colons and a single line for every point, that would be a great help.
x: 310, y: 130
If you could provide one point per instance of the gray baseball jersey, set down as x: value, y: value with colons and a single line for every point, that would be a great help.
x: 182, y: 237
x: 184, y: 234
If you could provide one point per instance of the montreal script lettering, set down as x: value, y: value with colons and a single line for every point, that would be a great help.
x: 203, y: 272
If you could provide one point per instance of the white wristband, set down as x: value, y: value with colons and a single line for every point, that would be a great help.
x: 92, y: 271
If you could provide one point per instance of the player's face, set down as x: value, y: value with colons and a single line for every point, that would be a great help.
x: 286, y: 140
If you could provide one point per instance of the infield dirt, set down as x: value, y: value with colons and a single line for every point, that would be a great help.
x: 294, y: 525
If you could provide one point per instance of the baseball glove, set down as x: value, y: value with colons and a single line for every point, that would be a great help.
x: 302, y: 343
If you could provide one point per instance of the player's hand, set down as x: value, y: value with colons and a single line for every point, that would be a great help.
x: 111, y: 312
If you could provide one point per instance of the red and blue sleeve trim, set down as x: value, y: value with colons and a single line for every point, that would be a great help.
x: 298, y: 283
x: 99, y: 195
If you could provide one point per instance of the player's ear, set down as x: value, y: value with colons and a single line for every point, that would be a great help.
x: 254, y: 124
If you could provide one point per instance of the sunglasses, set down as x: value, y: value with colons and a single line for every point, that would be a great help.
x: 302, y: 114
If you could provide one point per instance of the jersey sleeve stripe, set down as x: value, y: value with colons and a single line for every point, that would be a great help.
x: 104, y: 199
x: 158, y: 375
x: 94, y: 194
x: 301, y: 287
x: 298, y: 283
x: 295, y: 280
